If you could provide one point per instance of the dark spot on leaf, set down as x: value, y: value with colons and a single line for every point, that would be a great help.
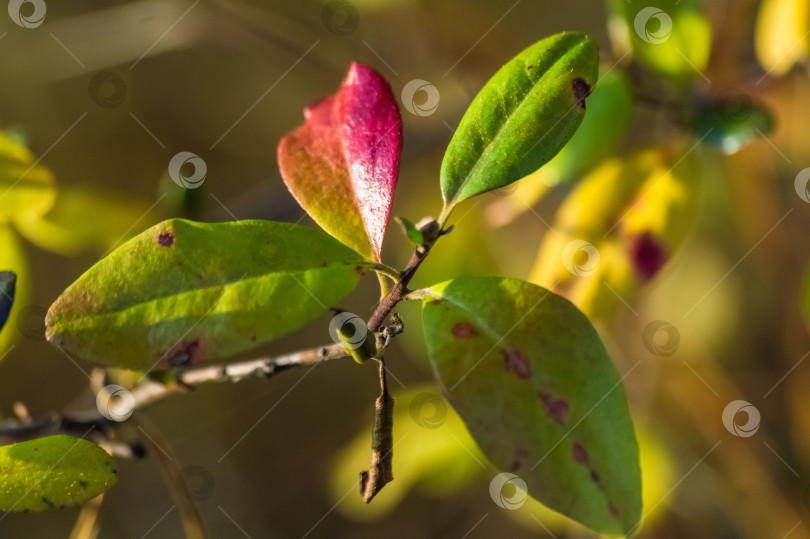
x: 555, y: 408
x: 179, y: 359
x: 435, y: 302
x: 49, y: 502
x: 581, y: 90
x: 594, y: 476
x: 358, y: 269
x: 83, y: 484
x: 166, y: 239
x: 648, y: 255
x: 530, y: 67
x: 580, y: 454
x: 521, y: 454
x: 186, y: 355
x: 464, y: 330
x: 614, y: 511
x: 517, y: 363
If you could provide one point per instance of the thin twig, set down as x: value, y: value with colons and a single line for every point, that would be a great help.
x: 176, y: 483
x: 152, y: 391
x: 88, y: 523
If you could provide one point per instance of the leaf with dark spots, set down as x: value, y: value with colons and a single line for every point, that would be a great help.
x: 555, y: 408
x: 53, y: 472
x: 517, y: 363
x: 205, y: 299
x: 520, y: 119
x: 342, y: 165
x: 463, y: 330
x: 559, y: 388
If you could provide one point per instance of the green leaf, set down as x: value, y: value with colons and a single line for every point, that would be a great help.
x: 8, y: 282
x: 609, y: 109
x: 732, y: 121
x: 521, y: 118
x: 531, y: 379
x: 413, y: 234
x: 82, y: 220
x: 186, y: 293
x: 673, y: 37
x: 52, y: 473
x: 24, y: 184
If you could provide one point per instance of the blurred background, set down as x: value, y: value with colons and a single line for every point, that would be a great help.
x: 104, y: 94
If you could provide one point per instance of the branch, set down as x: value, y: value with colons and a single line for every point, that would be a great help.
x: 23, y: 428
x: 400, y: 290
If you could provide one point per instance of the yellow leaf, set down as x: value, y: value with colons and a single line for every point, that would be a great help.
x: 83, y: 220
x: 781, y: 34
x: 618, y: 228
x: 25, y: 186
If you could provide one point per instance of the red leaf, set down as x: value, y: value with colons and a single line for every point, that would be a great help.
x: 342, y: 164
